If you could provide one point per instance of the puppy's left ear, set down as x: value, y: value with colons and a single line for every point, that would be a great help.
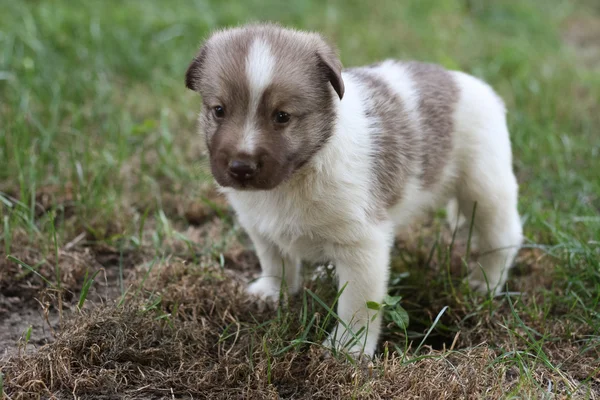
x: 332, y: 68
x: 194, y: 72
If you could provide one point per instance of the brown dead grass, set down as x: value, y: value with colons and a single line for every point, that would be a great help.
x: 128, y: 353
x: 72, y: 266
x: 206, y: 340
x: 187, y: 328
x: 87, y: 247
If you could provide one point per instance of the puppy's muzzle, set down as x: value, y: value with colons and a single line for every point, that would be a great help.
x: 242, y: 170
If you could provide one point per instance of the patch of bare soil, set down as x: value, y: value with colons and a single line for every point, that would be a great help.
x: 24, y: 298
x: 27, y: 303
x: 17, y: 318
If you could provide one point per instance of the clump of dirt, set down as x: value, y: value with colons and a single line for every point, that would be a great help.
x: 39, y: 298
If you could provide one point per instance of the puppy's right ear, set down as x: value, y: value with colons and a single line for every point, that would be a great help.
x: 194, y: 71
x: 331, y: 64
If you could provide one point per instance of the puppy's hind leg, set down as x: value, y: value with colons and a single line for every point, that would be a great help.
x: 497, y: 224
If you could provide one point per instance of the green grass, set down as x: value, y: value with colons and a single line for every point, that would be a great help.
x: 99, y: 150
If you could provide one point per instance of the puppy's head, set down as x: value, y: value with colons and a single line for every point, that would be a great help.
x: 268, y: 98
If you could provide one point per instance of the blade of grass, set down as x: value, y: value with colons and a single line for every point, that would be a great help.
x: 142, y: 224
x: 55, y: 243
x: 32, y: 204
x: 6, y: 235
x: 87, y: 284
x: 302, y: 339
x: 30, y: 269
x: 471, y: 232
x: 121, y: 287
x: 431, y: 328
x: 269, y: 366
x: 331, y: 313
x: 4, y: 199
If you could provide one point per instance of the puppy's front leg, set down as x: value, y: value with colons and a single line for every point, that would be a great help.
x: 276, y: 268
x: 363, y: 271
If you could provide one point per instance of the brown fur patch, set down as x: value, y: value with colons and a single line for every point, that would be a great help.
x: 438, y: 96
x: 394, y: 140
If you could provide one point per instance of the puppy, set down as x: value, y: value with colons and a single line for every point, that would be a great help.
x: 323, y: 164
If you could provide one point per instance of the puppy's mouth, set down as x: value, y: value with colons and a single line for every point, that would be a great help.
x: 243, y: 172
x: 258, y: 183
x: 249, y: 186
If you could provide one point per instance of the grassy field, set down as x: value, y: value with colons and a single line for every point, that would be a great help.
x: 122, y: 272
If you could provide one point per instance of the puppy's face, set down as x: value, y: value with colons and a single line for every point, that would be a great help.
x: 268, y: 103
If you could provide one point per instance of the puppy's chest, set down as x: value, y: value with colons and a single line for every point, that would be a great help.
x: 299, y: 226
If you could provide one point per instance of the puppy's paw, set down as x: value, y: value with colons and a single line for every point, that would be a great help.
x: 265, y: 289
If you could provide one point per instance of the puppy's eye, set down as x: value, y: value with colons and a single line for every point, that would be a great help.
x: 219, y: 112
x: 282, y: 117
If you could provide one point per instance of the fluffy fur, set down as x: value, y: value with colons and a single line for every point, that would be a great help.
x: 365, y: 151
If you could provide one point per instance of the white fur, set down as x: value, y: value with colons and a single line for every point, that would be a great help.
x: 325, y: 214
x: 485, y: 161
x: 260, y: 65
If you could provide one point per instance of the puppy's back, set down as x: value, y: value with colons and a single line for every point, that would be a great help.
x: 410, y: 107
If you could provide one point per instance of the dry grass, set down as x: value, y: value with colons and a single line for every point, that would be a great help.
x: 187, y: 329
x: 184, y: 326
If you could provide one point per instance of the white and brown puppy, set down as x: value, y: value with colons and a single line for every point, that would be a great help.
x: 323, y: 164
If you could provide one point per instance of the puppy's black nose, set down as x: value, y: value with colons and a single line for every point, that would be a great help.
x: 242, y: 170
